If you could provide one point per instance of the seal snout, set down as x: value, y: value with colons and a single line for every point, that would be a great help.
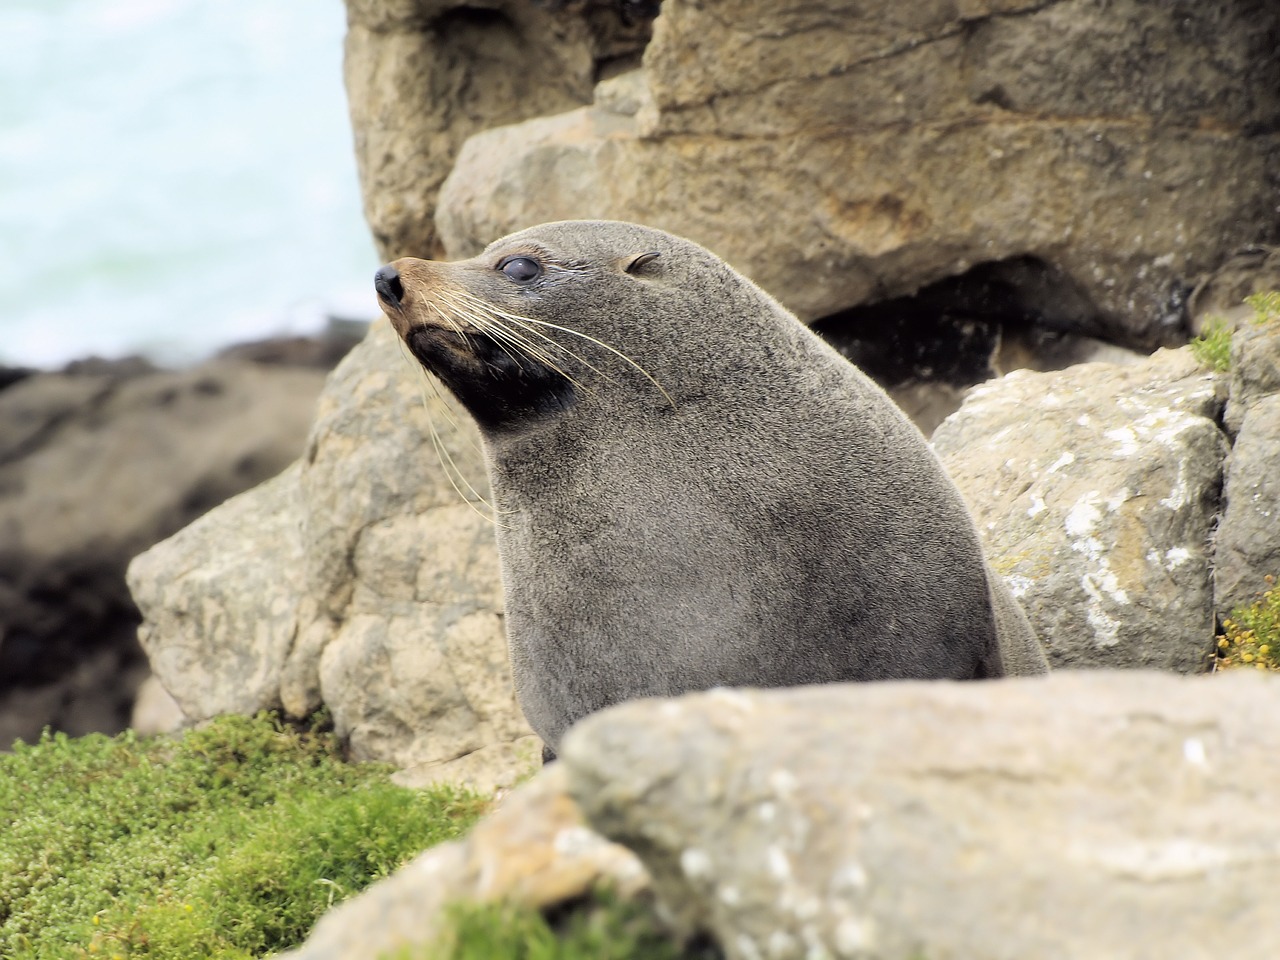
x: 386, y: 280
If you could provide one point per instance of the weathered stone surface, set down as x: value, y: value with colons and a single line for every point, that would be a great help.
x: 1081, y: 815
x: 219, y: 601
x: 361, y: 579
x: 533, y: 850
x: 97, y: 463
x: 1254, y: 269
x: 1247, y: 545
x: 155, y: 711
x: 1255, y: 367
x: 841, y: 154
x: 492, y: 769
x: 1095, y: 490
x: 422, y: 75
x: 403, y: 571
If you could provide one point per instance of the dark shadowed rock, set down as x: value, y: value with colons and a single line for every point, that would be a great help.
x: 96, y: 464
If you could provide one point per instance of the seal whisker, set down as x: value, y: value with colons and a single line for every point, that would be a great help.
x: 528, y: 323
x: 499, y: 334
x: 618, y: 353
x: 447, y: 463
x: 449, y: 321
x: 507, y: 338
x: 442, y: 452
x: 486, y: 322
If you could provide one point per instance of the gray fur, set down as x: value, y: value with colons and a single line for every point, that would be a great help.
x: 773, y: 520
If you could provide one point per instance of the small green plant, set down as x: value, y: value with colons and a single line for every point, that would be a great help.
x: 1213, y: 347
x: 1266, y: 306
x: 1250, y: 637
x: 602, y: 928
x: 226, y: 844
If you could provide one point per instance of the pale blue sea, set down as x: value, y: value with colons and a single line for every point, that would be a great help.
x: 175, y: 176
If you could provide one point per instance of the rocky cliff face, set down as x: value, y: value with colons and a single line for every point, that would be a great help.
x: 1100, y: 157
x: 423, y: 75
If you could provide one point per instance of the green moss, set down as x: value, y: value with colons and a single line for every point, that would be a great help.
x: 1213, y: 347
x: 226, y: 843
x: 602, y: 929
x: 1250, y: 637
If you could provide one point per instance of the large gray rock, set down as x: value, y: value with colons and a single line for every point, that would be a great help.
x: 1096, y: 490
x: 96, y: 464
x: 1077, y: 816
x: 221, y: 611
x: 840, y: 154
x: 1247, y: 545
x: 362, y: 579
x: 422, y: 75
x: 1255, y: 365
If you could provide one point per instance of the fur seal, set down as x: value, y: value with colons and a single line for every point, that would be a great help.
x: 692, y: 489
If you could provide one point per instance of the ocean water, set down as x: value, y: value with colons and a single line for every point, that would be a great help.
x: 175, y: 176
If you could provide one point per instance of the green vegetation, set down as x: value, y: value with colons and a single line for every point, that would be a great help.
x: 605, y: 929
x: 1250, y: 637
x: 226, y: 843
x: 1213, y: 347
x: 1266, y: 306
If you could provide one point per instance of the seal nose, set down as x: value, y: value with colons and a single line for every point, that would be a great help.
x: 387, y: 282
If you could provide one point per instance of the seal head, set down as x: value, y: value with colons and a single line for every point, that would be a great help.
x: 692, y: 489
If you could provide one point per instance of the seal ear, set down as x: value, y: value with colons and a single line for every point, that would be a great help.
x: 637, y: 263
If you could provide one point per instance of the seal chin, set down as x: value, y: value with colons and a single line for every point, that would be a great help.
x: 501, y: 390
x: 441, y: 350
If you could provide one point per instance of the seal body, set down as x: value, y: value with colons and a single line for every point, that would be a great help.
x: 691, y: 488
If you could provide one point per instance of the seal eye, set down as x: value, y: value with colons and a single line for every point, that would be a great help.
x: 520, y: 269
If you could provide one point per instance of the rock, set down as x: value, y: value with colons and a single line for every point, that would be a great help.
x: 1254, y: 269
x: 155, y: 711
x: 926, y: 350
x: 1095, y: 490
x: 322, y: 351
x: 533, y: 851
x: 1255, y: 366
x: 1247, y: 545
x: 220, y: 612
x: 422, y: 76
x: 362, y: 579
x: 840, y: 155
x: 492, y: 769
x: 96, y: 464
x: 93, y: 693
x: 1079, y: 815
